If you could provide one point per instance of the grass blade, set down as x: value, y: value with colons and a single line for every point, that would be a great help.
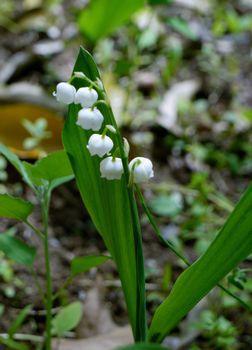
x: 18, y: 322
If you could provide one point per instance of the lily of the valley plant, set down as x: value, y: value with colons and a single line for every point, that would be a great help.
x: 108, y: 179
x: 98, y: 157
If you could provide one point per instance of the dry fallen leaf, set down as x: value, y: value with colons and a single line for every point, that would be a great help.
x: 119, y: 337
x: 96, y: 314
x: 168, y: 109
x: 13, y: 134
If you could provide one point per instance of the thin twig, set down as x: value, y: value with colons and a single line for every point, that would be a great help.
x: 35, y: 229
x: 36, y: 281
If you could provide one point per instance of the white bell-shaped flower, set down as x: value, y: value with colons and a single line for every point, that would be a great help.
x: 65, y: 93
x: 99, y: 145
x: 143, y: 169
x: 90, y: 119
x: 111, y: 168
x: 86, y: 97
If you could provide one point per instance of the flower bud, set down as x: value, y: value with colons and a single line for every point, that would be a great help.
x: 89, y: 119
x: 111, y: 168
x: 86, y: 97
x: 126, y: 146
x: 99, y: 145
x: 100, y: 84
x: 79, y: 75
x: 142, y: 168
x: 65, y: 93
x: 111, y: 128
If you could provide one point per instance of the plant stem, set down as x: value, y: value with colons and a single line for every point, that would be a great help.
x: 35, y: 229
x: 156, y: 228
x: 67, y: 282
x: 45, y: 209
x: 36, y: 281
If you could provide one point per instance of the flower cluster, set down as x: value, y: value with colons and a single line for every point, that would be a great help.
x: 90, y: 118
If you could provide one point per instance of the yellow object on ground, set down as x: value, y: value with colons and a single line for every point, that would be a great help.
x: 13, y: 133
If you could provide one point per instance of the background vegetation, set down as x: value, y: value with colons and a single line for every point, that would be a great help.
x: 179, y: 78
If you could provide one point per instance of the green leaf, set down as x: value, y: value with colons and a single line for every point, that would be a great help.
x: 85, y: 263
x: 12, y: 344
x: 143, y: 346
x: 19, y: 320
x: 182, y: 27
x: 14, y: 208
x: 232, y: 245
x: 16, y: 162
x: 165, y: 205
x: 17, y: 250
x: 54, y: 170
x: 106, y: 201
x: 67, y: 318
x: 101, y: 17
x: 147, y: 38
x: 160, y: 2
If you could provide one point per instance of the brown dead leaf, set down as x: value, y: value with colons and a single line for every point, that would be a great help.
x: 96, y: 314
x: 13, y: 134
x: 119, y: 337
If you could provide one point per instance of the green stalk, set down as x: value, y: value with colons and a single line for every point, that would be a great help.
x: 141, y: 318
x: 168, y: 244
x: 45, y: 210
x: 152, y: 221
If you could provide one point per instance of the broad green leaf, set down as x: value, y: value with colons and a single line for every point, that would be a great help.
x: 182, y: 27
x: 232, y: 245
x: 106, y: 201
x: 67, y: 318
x: 143, y: 346
x: 102, y: 17
x: 12, y: 344
x: 55, y: 169
x: 14, y: 208
x: 16, y: 162
x: 85, y: 263
x: 160, y: 2
x: 17, y: 250
x: 17, y: 323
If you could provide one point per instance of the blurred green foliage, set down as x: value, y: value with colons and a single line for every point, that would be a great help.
x: 220, y: 331
x: 206, y: 161
x: 102, y: 17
